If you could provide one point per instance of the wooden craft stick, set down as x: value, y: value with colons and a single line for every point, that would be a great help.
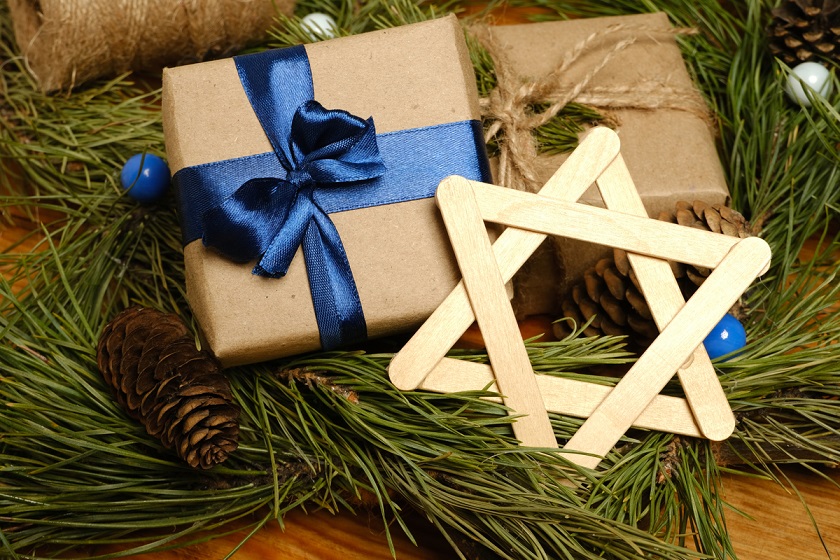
x: 698, y: 378
x: 605, y: 227
x: 563, y: 396
x: 686, y: 331
x: 513, y: 247
x: 486, y: 290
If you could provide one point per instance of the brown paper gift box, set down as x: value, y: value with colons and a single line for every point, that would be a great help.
x: 670, y: 153
x: 408, y: 77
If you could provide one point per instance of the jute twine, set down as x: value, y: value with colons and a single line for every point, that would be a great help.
x: 510, y: 106
x: 66, y: 42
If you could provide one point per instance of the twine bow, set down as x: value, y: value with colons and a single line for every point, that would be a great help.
x: 510, y: 106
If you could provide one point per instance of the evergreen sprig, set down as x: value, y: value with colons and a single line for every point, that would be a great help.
x: 321, y: 430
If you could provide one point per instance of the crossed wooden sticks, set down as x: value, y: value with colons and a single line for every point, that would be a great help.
x: 481, y: 296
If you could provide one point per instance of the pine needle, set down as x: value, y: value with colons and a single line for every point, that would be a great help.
x: 326, y: 429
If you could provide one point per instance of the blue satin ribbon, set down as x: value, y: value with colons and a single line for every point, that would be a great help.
x: 265, y: 206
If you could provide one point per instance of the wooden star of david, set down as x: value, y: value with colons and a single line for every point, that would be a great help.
x: 481, y: 296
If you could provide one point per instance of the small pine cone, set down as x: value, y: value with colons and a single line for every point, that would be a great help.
x: 614, y: 300
x: 610, y: 291
x: 804, y: 30
x: 715, y: 218
x: 162, y: 380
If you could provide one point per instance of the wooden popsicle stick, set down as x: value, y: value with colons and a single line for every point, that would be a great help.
x: 699, y: 380
x: 669, y: 351
x: 488, y: 298
x: 563, y: 396
x: 453, y: 317
x: 638, y: 234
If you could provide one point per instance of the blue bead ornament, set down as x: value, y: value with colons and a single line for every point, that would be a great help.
x: 727, y: 336
x: 145, y: 177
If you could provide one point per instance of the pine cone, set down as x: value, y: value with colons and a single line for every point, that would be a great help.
x: 613, y: 301
x: 611, y: 293
x: 162, y: 380
x: 716, y: 218
x: 802, y: 30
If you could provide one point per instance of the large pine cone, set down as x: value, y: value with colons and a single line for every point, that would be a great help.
x: 614, y: 303
x: 804, y: 30
x: 177, y: 392
x: 610, y: 295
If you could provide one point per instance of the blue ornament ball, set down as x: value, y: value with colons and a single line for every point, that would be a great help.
x: 145, y: 177
x: 727, y: 336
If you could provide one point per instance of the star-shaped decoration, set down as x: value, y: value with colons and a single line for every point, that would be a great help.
x: 481, y: 296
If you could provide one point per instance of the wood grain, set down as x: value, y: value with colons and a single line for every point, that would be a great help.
x: 740, y: 262
x: 493, y: 312
x: 319, y: 535
x: 672, y: 347
x: 624, y: 224
x: 778, y: 525
x: 441, y: 331
x: 633, y: 233
x: 698, y: 377
x: 778, y: 528
x: 564, y: 396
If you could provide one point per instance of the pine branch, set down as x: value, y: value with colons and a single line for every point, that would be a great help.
x: 331, y: 430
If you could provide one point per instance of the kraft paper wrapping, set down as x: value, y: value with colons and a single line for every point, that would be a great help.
x: 407, y: 77
x: 670, y: 153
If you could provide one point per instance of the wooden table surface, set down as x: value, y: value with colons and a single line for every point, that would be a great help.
x: 780, y: 529
x: 773, y: 523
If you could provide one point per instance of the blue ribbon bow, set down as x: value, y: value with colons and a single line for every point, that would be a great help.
x: 269, y: 218
x: 265, y: 206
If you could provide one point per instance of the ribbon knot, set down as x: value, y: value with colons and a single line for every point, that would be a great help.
x: 268, y: 218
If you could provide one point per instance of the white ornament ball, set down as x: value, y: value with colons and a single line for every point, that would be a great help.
x: 319, y: 25
x: 815, y: 76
